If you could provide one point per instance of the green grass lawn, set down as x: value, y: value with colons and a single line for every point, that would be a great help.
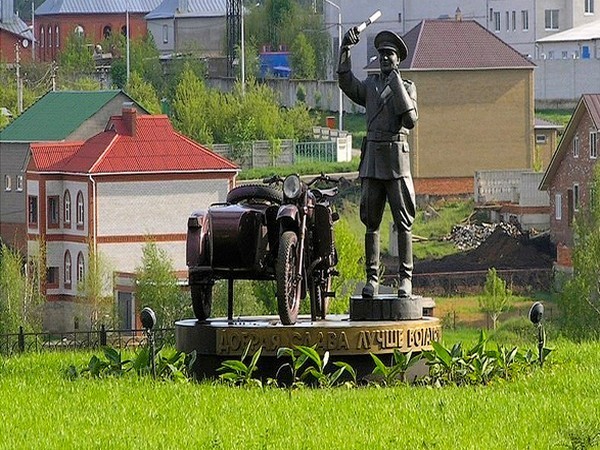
x: 40, y: 408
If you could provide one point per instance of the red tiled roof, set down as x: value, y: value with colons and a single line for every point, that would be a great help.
x: 52, y: 156
x: 156, y: 147
x: 450, y: 44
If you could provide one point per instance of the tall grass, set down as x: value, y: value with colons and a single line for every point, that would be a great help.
x: 40, y: 408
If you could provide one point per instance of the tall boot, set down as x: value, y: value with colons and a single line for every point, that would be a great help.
x: 371, y: 264
x: 405, y: 263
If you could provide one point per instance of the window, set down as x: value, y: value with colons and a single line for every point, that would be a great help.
x: 80, y: 210
x: 20, y: 183
x: 551, y: 19
x: 124, y: 30
x: 400, y: 17
x: 68, y: 268
x: 565, y: 54
x: 53, y: 215
x: 576, y: 147
x: 588, y: 7
x: 106, y: 31
x: 52, y: 277
x: 507, y: 21
x: 79, y: 31
x: 575, y: 197
x: 32, y: 210
x: 585, y: 52
x: 496, y: 21
x: 42, y: 37
x: 67, y: 209
x: 525, y: 20
x: 558, y: 206
x: 49, y: 36
x: 7, y: 183
x: 540, y: 138
x: 80, y: 268
x: 514, y: 20
x: 593, y: 145
x: 551, y: 54
x: 165, y: 32
x: 56, y: 36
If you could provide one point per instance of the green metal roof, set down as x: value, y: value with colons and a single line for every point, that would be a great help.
x: 56, y: 115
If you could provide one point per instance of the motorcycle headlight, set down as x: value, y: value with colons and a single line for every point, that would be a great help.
x: 292, y: 186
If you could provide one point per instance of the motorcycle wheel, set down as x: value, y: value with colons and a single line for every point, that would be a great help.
x: 201, y: 300
x: 287, y: 285
x: 320, y: 285
x: 255, y: 192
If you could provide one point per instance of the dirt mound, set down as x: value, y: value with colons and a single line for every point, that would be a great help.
x: 499, y: 250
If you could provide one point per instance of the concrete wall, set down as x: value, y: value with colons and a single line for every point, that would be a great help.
x: 513, y: 186
x: 61, y: 316
x: 12, y: 202
x: 565, y: 80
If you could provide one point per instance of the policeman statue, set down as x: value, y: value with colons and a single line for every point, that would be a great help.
x: 391, y: 111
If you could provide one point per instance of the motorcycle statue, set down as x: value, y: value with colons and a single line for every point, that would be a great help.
x: 281, y: 230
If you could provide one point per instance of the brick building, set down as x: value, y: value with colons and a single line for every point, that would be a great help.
x: 13, y: 32
x: 570, y: 172
x: 56, y: 20
x: 138, y: 179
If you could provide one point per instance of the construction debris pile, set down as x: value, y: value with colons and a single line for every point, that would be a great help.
x: 472, y: 235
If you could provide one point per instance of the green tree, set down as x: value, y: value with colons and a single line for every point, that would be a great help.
x: 303, y: 58
x: 191, y: 106
x: 350, y: 266
x: 95, y: 290
x: 20, y: 298
x: 143, y: 93
x: 580, y: 300
x: 76, y: 56
x: 157, y: 285
x: 496, y: 296
x: 118, y: 73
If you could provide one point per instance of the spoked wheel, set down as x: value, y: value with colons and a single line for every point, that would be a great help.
x: 202, y: 300
x: 288, y: 300
x: 320, y: 286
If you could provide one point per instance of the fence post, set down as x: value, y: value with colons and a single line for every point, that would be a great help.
x: 21, y: 339
x: 102, y: 335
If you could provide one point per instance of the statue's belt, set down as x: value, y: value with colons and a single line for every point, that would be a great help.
x: 383, y: 136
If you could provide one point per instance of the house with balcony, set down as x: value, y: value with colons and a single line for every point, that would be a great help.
x: 136, y: 180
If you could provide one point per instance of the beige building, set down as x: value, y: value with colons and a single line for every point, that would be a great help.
x: 475, y: 100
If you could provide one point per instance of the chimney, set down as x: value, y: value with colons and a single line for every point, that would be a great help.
x: 129, y: 114
x: 458, y: 15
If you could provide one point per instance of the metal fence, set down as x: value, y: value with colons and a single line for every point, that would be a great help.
x: 316, y: 151
x: 81, y: 340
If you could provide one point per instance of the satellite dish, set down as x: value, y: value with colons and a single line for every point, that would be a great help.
x: 25, y: 43
x: 148, y: 318
x: 536, y: 313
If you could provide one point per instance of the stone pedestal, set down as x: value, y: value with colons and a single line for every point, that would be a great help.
x: 390, y: 307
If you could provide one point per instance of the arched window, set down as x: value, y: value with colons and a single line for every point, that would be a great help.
x: 49, y: 36
x: 106, y: 31
x: 79, y: 31
x: 67, y: 209
x: 56, y: 36
x: 124, y: 30
x: 68, y: 268
x: 80, y: 267
x: 80, y: 210
x: 42, y: 40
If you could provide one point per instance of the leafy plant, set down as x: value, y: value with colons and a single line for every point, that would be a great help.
x: 396, y: 372
x: 113, y: 365
x: 238, y: 373
x: 496, y: 296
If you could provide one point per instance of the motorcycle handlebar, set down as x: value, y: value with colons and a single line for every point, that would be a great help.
x: 323, y: 177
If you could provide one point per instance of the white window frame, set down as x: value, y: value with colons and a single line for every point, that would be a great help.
x: 588, y: 7
x: 165, y: 34
x: 576, y: 147
x: 497, y: 24
x: 540, y: 139
x: 80, y: 267
x: 80, y: 209
x: 593, y: 144
x: 19, y: 183
x: 68, y: 267
x: 525, y: 19
x: 67, y: 208
x: 576, y: 195
x: 558, y: 206
x: 7, y: 183
x: 551, y: 19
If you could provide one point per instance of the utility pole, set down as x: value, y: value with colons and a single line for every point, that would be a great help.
x: 19, y: 81
x: 53, y: 76
x: 33, y: 30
